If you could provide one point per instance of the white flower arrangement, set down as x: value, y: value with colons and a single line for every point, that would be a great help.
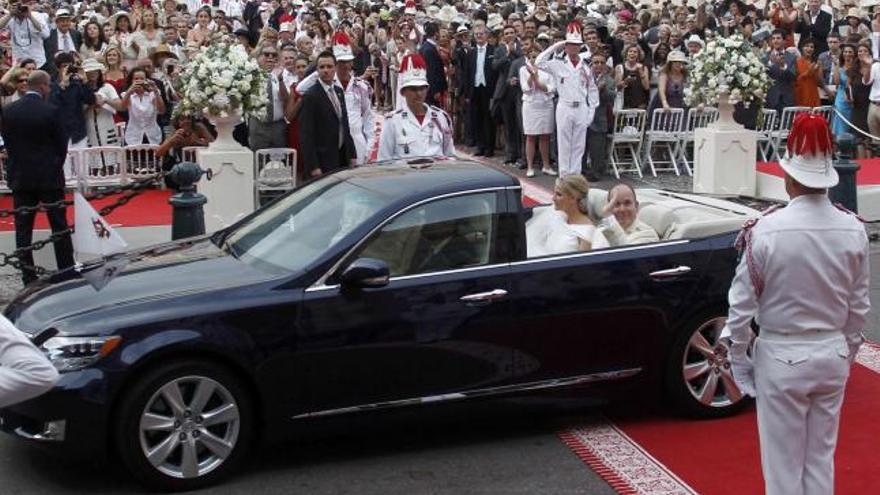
x: 222, y: 80
x: 727, y: 66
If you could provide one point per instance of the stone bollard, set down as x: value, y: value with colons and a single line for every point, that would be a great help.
x: 846, y: 191
x: 188, y: 217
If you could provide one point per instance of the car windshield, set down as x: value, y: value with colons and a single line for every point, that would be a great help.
x: 296, y: 230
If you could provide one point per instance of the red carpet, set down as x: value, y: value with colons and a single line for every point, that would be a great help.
x: 149, y: 208
x: 664, y: 455
x: 868, y: 175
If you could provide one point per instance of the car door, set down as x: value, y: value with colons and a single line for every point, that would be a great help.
x: 580, y: 314
x: 438, y: 327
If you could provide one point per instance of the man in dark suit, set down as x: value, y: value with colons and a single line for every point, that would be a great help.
x: 323, y: 111
x: 508, y: 93
x: 478, y: 87
x: 781, y: 67
x: 63, y: 39
x: 814, y: 24
x: 37, y: 146
x: 436, y: 75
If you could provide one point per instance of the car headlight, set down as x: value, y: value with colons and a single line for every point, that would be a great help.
x: 74, y: 353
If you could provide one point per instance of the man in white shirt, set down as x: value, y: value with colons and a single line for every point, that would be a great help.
x: 27, y: 30
x: 24, y: 371
x: 271, y: 131
x: 621, y: 218
x: 803, y: 277
x: 874, y: 96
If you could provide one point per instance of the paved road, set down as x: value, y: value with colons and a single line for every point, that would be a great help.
x: 508, y: 448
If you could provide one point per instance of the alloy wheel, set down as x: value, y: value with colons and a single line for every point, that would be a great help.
x: 189, y: 427
x: 706, y: 366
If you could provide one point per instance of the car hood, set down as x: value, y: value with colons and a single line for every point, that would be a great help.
x: 152, y: 274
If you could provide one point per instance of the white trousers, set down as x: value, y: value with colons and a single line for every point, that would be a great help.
x: 799, y: 384
x: 360, y: 147
x: 571, y: 137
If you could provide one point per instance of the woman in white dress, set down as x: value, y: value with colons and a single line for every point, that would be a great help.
x: 143, y: 103
x: 538, y: 117
x: 148, y: 36
x: 100, y: 126
x: 568, y: 228
x: 93, y: 43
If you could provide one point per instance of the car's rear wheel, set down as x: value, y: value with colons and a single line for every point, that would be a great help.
x: 698, y: 375
x: 184, y: 425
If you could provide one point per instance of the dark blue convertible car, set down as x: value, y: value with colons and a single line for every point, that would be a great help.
x: 395, y: 286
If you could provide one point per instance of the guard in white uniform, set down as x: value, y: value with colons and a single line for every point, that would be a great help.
x: 24, y: 371
x: 418, y: 129
x: 803, y: 277
x: 578, y: 97
x: 358, y: 97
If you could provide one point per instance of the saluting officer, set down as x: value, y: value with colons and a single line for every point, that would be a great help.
x: 417, y: 129
x: 803, y: 277
x: 578, y: 97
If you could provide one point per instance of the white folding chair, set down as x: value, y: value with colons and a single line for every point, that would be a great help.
x: 141, y: 161
x: 696, y: 119
x: 826, y: 111
x: 664, y: 134
x: 4, y: 186
x: 275, y: 171
x: 120, y: 131
x: 104, y: 166
x: 766, y: 125
x: 626, y: 141
x: 780, y: 135
x: 191, y: 153
x: 72, y: 167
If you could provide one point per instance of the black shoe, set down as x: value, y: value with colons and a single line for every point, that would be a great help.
x: 479, y: 153
x: 592, y: 177
x: 489, y: 154
x: 521, y: 165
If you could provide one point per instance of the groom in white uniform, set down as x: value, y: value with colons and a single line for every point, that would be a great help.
x: 803, y: 277
x: 578, y: 97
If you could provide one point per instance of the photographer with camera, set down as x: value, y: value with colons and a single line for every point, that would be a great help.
x: 144, y: 104
x: 27, y: 30
x: 69, y: 94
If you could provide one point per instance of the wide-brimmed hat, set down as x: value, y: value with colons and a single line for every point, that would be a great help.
x: 163, y: 50
x: 413, y: 72
x: 90, y: 65
x: 695, y: 39
x: 62, y: 13
x: 114, y: 19
x: 854, y: 12
x: 809, y: 153
x: 494, y: 22
x: 677, y: 56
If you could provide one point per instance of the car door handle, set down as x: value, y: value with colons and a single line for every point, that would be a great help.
x: 484, y: 297
x: 671, y: 273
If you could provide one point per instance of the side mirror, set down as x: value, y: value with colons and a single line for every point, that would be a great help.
x: 366, y: 273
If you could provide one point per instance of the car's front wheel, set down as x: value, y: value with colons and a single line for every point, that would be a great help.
x: 184, y: 425
x: 698, y: 375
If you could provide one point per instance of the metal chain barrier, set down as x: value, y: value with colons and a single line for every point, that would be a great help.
x: 130, y: 191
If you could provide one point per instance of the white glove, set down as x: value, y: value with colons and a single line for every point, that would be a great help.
x: 742, y: 368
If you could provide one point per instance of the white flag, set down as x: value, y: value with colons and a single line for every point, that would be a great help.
x: 93, y: 237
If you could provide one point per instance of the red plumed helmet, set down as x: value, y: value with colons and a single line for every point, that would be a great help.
x: 342, y: 47
x: 810, y: 135
x: 573, y: 33
x: 413, y: 72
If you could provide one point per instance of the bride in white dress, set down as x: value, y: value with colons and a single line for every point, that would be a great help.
x: 567, y: 228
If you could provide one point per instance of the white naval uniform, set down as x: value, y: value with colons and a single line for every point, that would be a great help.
x: 24, y: 370
x: 578, y: 99
x: 404, y: 137
x: 358, y: 104
x: 803, y: 276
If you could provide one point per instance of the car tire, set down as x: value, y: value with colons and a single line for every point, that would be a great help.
x: 184, y: 425
x: 697, y: 374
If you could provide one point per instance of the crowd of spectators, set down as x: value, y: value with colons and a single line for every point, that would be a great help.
x: 119, y: 61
